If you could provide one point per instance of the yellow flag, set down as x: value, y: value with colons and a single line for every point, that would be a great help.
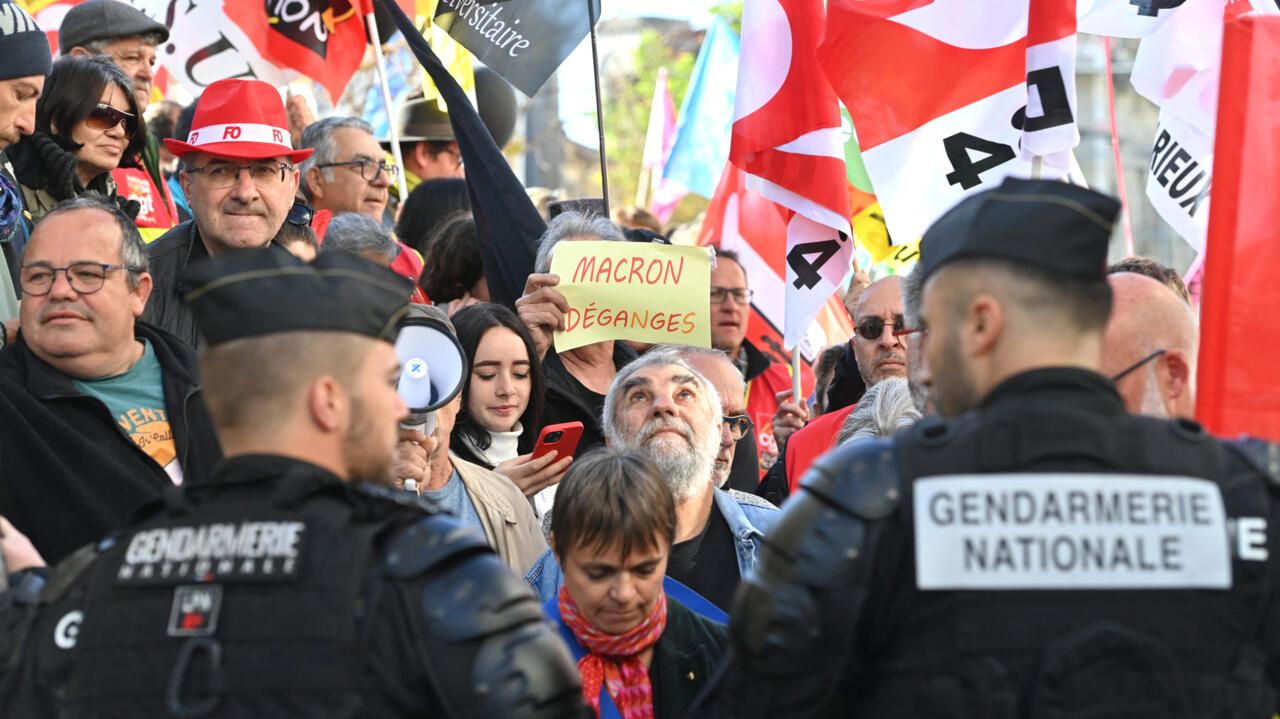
x: 870, y: 229
x: 456, y: 58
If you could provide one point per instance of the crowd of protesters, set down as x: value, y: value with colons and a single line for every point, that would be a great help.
x: 636, y: 542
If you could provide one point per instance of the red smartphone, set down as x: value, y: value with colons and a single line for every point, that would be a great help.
x: 563, y: 438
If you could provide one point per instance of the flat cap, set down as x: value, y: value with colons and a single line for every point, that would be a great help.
x: 1059, y: 228
x: 252, y: 293
x: 105, y: 20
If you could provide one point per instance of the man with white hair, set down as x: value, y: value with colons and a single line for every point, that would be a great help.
x: 1150, y: 347
x: 662, y: 406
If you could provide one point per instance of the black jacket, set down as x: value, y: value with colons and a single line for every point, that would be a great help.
x: 684, y: 660
x: 566, y: 402
x: 169, y: 256
x: 68, y: 473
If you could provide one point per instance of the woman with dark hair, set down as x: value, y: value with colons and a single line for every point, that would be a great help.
x: 643, y: 643
x: 502, y: 402
x: 454, y: 274
x: 88, y: 123
x: 429, y: 204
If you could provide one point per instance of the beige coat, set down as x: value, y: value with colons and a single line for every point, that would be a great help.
x: 509, y: 524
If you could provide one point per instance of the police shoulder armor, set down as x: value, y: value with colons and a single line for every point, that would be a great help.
x: 799, y: 605
x: 487, y: 641
x: 1261, y: 455
x: 860, y: 477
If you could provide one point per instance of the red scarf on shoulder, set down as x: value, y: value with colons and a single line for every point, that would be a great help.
x: 614, y: 659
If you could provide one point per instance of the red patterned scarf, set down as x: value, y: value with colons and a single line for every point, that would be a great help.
x: 614, y: 659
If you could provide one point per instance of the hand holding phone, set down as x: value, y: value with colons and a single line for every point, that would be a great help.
x: 563, y: 438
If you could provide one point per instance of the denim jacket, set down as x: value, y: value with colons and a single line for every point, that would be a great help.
x: 749, y: 517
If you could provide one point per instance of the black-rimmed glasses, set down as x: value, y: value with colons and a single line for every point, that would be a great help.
x: 739, y: 425
x: 1137, y: 365
x: 741, y: 295
x: 369, y: 169
x: 871, y: 328
x: 221, y: 175
x: 84, y: 277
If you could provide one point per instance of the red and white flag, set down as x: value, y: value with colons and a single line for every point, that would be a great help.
x: 1126, y: 18
x: 324, y: 40
x: 1177, y: 67
x: 949, y: 97
x: 660, y: 194
x: 786, y: 136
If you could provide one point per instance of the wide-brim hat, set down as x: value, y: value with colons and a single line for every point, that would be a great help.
x: 421, y: 120
x: 242, y: 119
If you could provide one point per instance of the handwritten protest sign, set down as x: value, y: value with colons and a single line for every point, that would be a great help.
x: 634, y: 291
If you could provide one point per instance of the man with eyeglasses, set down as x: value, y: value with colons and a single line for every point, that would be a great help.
x: 347, y: 171
x: 880, y: 354
x: 1150, y: 347
x: 127, y: 37
x: 101, y: 412
x: 239, y: 174
x: 1036, y: 550
x: 768, y: 383
x: 664, y: 407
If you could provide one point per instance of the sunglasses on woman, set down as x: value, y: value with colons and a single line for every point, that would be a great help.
x: 105, y: 117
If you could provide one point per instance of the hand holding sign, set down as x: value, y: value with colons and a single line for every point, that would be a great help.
x: 542, y: 309
x: 660, y: 294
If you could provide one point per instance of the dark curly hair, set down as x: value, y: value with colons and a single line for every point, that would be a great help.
x: 453, y: 264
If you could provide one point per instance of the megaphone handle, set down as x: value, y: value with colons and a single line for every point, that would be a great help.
x: 426, y: 424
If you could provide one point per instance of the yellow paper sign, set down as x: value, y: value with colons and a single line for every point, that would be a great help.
x: 660, y: 294
x: 869, y: 228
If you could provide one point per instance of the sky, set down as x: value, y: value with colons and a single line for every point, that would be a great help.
x: 697, y: 12
x: 577, y: 99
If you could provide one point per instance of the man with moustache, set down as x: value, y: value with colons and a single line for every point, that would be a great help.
x: 910, y: 587
x: 659, y: 404
x: 298, y: 582
x: 724, y: 376
x: 880, y: 353
x: 102, y: 413
x: 24, y: 63
x: 240, y: 175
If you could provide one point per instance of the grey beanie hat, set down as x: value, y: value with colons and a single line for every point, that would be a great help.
x: 24, y: 48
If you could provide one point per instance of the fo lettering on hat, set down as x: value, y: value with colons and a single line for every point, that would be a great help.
x: 246, y: 132
x: 241, y: 119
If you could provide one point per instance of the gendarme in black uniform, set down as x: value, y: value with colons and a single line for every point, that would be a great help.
x: 280, y: 590
x: 1021, y: 560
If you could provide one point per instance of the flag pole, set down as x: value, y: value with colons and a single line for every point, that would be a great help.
x: 380, y: 64
x: 795, y: 375
x: 595, y: 67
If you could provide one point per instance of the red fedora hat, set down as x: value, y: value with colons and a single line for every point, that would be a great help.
x: 243, y: 119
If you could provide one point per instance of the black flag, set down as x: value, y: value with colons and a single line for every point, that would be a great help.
x: 507, y: 223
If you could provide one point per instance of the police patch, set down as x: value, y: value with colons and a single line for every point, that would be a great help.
x: 247, y: 551
x: 1071, y: 532
x: 195, y: 610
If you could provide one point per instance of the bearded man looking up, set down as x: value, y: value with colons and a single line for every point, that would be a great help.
x: 663, y: 407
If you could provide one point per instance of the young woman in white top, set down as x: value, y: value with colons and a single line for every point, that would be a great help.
x: 502, y: 401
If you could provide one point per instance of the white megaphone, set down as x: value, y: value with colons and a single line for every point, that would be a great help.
x: 433, y: 368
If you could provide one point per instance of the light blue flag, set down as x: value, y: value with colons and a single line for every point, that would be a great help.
x: 703, y: 130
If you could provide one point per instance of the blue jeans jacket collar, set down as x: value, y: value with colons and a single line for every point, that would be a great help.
x: 748, y: 517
